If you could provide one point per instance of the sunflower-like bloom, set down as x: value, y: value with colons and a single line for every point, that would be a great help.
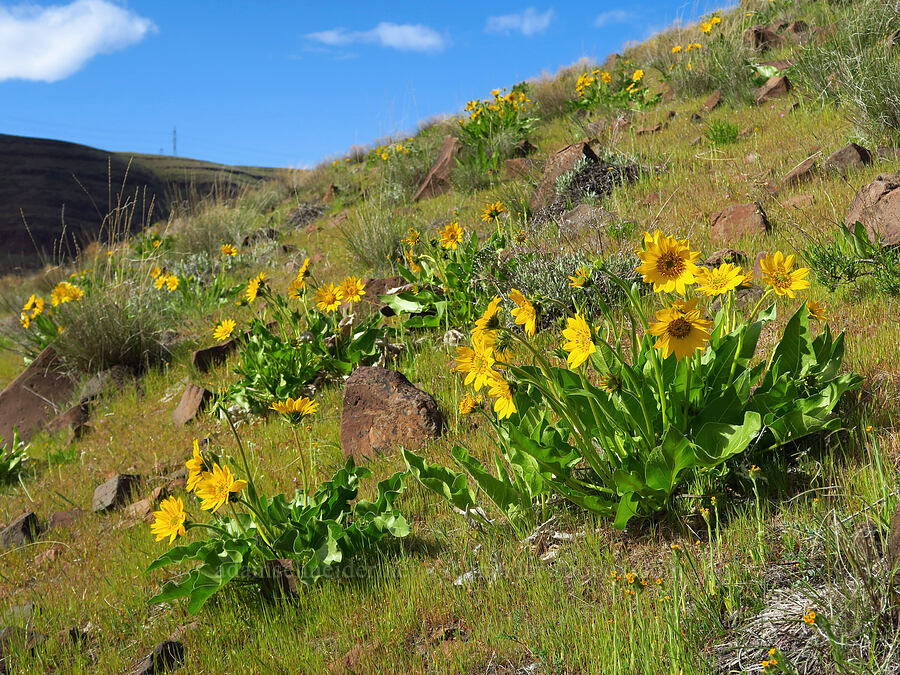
x: 216, y: 487
x: 502, y: 393
x: 171, y: 282
x: 169, y: 520
x: 327, y: 299
x: 224, y: 329
x: 476, y: 361
x: 253, y: 287
x: 229, y: 250
x: 669, y: 264
x: 816, y: 310
x: 580, y: 343
x: 610, y: 383
x: 351, y: 289
x: 468, y: 404
x: 489, y: 321
x: 412, y: 237
x: 680, y: 330
x: 298, y: 285
x: 35, y: 305
x: 411, y: 263
x: 25, y: 320
x: 64, y: 292
x: 451, y: 235
x: 195, y: 468
x: 524, y: 313
x: 160, y: 281
x: 676, y: 49
x: 295, y: 409
x: 605, y: 77
x: 155, y: 272
x: 638, y: 75
x: 718, y: 281
x: 581, y: 277
x: 778, y: 273
x: 492, y: 212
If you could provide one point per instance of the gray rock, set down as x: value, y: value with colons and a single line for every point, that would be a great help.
x: 193, y: 401
x: 114, y: 492
x: 19, y: 532
x: 167, y: 656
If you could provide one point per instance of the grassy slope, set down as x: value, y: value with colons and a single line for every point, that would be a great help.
x: 408, y: 616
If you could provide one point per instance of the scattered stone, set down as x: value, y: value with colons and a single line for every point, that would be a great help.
x: 523, y: 148
x: 167, y: 656
x: 559, y: 163
x: 204, y: 359
x: 726, y: 255
x: 696, y: 118
x: 19, y: 532
x: 516, y: 167
x: 110, y: 380
x: 652, y: 129
x: 438, y: 179
x: 30, y: 400
x: 114, y: 492
x: 281, y: 578
x: 331, y: 192
x: 796, y: 28
x: 800, y: 173
x: 710, y: 103
x: 877, y: 207
x: 761, y: 38
x: 74, y: 419
x: 736, y: 221
x: 193, y: 401
x: 848, y: 158
x: 64, y: 518
x: 382, y: 411
x: 378, y: 287
x: 800, y: 201
x: 775, y: 87
x: 259, y: 235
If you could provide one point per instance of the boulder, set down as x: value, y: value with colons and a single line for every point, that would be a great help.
x: 726, y: 255
x: 761, y: 38
x: 559, y: 163
x: 775, y: 87
x: 523, y: 148
x: 888, y: 153
x: 19, y: 532
x: 74, y: 419
x: 30, y: 401
x: 848, y: 158
x: 438, y: 179
x: 736, y: 221
x: 877, y: 206
x: 111, y: 380
x: 193, y: 401
x: 710, y: 103
x: 167, y: 656
x: 800, y: 173
x: 796, y: 28
x: 208, y: 357
x: 114, y: 492
x: 383, y: 411
x: 375, y: 289
x: 893, y: 540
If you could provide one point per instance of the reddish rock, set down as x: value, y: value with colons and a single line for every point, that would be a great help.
x: 114, y: 492
x: 736, y: 221
x: 796, y: 28
x: 800, y: 173
x: 710, y: 103
x: 652, y: 129
x: 331, y: 192
x: 140, y: 510
x: 516, y: 167
x: 761, y: 38
x: 775, y: 87
x: 65, y: 518
x: 74, y: 419
x: 877, y: 207
x: 29, y: 401
x: 557, y: 164
x: 193, y: 401
x: 208, y: 357
x: 726, y: 255
x: 438, y: 179
x: 19, y: 532
x: 523, y: 148
x: 848, y: 158
x: 375, y: 289
x: 800, y: 201
x: 167, y: 656
x: 780, y: 64
x: 382, y: 411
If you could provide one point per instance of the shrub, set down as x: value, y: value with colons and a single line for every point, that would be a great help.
x: 551, y: 94
x: 851, y: 256
x: 621, y: 87
x: 720, y: 132
x: 374, y: 236
x: 405, y: 164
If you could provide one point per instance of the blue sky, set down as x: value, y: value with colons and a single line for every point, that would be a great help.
x: 283, y: 83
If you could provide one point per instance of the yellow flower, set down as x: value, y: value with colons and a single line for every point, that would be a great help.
x: 156, y: 243
x: 524, y: 313
x: 216, y: 486
x: 411, y: 263
x: 816, y: 310
x: 468, y: 404
x: 253, y: 287
x: 680, y: 330
x: 169, y: 520
x: 580, y: 343
x: 195, y: 468
x: 155, y: 272
x: 705, y: 27
x: 451, y: 235
x: 171, y: 282
x: 224, y: 329
x: 412, y: 237
x: 64, y: 292
x: 716, y: 19
x: 638, y: 75
x: 295, y: 409
x: 25, y: 320
x: 724, y: 278
x: 351, y: 290
x: 676, y: 49
x: 668, y: 264
x: 327, y: 299
x: 489, y: 321
x: 476, y: 361
x: 778, y: 274
x: 580, y: 279
x: 502, y: 393
x: 605, y: 77
x: 384, y: 156
x: 809, y: 618
x: 35, y: 305
x: 229, y: 250
x: 298, y: 285
x: 610, y: 383
x: 492, y: 212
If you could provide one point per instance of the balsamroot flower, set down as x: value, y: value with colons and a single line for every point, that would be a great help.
x: 216, y: 487
x: 778, y: 273
x: 668, y: 264
x: 169, y: 520
x: 327, y: 299
x: 580, y: 343
x: 224, y: 329
x: 524, y: 313
x: 681, y: 330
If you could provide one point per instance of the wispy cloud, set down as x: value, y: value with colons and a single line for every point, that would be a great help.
x: 47, y: 44
x: 401, y: 36
x: 613, y: 16
x: 528, y: 22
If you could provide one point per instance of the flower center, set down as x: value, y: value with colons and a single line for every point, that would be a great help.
x: 670, y: 265
x: 680, y: 328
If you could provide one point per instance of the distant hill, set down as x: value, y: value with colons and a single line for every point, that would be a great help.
x: 54, y: 182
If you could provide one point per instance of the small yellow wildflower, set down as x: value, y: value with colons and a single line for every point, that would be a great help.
x: 327, y: 299
x: 451, y: 235
x: 229, y: 250
x: 169, y: 519
x: 224, y: 329
x: 216, y: 486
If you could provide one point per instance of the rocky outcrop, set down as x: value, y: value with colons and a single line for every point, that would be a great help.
x: 438, y: 179
x: 736, y: 221
x: 560, y: 162
x: 877, y: 207
x: 30, y: 401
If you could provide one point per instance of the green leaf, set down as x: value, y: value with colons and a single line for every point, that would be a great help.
x: 501, y: 492
x: 450, y: 485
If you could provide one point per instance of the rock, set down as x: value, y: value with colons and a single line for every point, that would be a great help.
x: 258, y: 235
x: 64, y: 518
x: 281, y: 579
x: 378, y: 287
x: 30, y: 400
x: 761, y: 38
x: 877, y: 207
x: 736, y: 221
x: 726, y: 255
x: 848, y: 158
x: 114, y: 492
x: 382, y: 411
x: 106, y: 381
x: 696, y: 118
x: 204, y: 359
x: 800, y: 201
x: 710, y: 103
x: 74, y: 419
x: 523, y: 148
x: 888, y: 153
x: 800, y: 173
x: 140, y: 510
x: 193, y: 401
x: 652, y: 129
x: 19, y: 532
x: 559, y: 163
x: 167, y: 656
x: 795, y: 28
x: 331, y: 192
x: 438, y: 179
x: 516, y: 167
x: 775, y: 87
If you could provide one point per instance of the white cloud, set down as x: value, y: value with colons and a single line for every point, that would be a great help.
x: 527, y: 22
x: 613, y: 16
x: 47, y: 44
x: 405, y: 37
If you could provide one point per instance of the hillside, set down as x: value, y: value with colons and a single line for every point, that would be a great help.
x: 599, y: 376
x: 53, y: 182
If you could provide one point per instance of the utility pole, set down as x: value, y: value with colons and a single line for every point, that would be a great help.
x: 174, y: 141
